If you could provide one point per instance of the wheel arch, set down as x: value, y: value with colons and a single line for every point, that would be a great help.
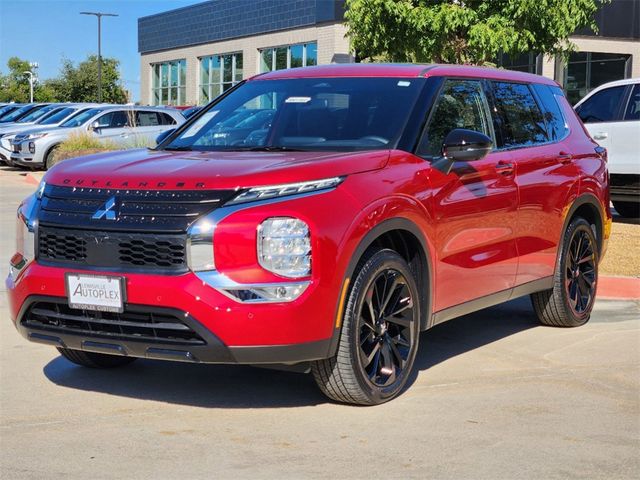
x: 406, y: 238
x: 588, y: 207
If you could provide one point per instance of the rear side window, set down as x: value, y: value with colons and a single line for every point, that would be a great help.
x: 602, y: 106
x: 147, y: 119
x: 461, y: 104
x: 633, y: 106
x: 557, y: 127
x: 520, y: 120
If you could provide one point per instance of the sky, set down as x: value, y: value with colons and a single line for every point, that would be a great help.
x: 46, y: 31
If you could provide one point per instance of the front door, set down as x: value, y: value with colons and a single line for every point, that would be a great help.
x: 474, y: 205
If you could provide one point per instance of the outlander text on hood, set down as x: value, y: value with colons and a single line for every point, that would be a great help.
x: 321, y: 216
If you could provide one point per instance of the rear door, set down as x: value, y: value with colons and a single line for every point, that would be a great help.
x: 533, y: 129
x: 474, y: 205
x: 149, y: 124
x: 627, y: 135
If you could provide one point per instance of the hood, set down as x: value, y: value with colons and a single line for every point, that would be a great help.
x: 52, y: 129
x: 18, y: 128
x: 153, y: 170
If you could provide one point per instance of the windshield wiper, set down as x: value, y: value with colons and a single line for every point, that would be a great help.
x: 272, y: 148
x: 183, y: 148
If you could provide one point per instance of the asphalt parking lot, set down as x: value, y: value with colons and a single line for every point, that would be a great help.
x: 496, y: 396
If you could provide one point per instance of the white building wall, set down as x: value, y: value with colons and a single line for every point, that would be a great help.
x: 333, y: 47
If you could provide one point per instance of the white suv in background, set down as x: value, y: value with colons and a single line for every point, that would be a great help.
x: 611, y: 114
x: 124, y: 125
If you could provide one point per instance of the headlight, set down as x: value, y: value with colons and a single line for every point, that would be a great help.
x: 25, y: 241
x: 275, y: 191
x: 35, y: 136
x: 284, y: 247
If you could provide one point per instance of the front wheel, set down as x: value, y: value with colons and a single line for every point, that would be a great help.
x: 379, y: 337
x: 570, y: 301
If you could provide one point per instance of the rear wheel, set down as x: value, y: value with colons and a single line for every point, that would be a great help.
x: 379, y: 337
x: 628, y: 209
x: 570, y: 301
x: 93, y: 359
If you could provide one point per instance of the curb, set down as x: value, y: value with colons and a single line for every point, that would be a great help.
x: 618, y: 288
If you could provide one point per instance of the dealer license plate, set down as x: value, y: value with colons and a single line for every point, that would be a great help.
x: 96, y: 292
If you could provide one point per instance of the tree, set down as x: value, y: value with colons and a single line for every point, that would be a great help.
x: 80, y: 83
x: 464, y: 31
x: 14, y: 87
x: 74, y: 84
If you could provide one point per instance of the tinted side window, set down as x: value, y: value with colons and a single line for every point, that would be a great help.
x: 633, y: 106
x: 519, y: 118
x: 147, y: 119
x: 602, y: 106
x: 461, y: 104
x: 117, y: 119
x: 557, y: 128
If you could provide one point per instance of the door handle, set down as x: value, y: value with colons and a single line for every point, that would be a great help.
x: 564, y: 157
x: 600, y: 136
x: 504, y: 168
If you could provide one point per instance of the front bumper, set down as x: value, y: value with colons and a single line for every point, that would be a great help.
x: 233, y: 332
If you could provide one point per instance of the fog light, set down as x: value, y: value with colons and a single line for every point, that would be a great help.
x: 32, y: 147
x: 284, y: 247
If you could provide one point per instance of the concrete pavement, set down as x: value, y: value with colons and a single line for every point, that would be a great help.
x: 496, y: 396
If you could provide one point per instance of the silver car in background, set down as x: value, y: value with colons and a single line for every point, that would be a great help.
x: 125, y: 125
x: 53, y: 117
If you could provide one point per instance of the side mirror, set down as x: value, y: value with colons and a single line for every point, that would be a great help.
x: 95, y: 126
x: 160, y: 138
x: 462, y: 145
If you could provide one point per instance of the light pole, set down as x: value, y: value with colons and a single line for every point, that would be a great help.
x: 30, y: 84
x: 99, y: 16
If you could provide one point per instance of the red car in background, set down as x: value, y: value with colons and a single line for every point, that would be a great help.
x: 376, y: 202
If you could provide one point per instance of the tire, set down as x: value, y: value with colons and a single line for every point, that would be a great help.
x: 49, y: 159
x: 570, y: 301
x: 383, y: 282
x: 628, y: 209
x: 94, y: 360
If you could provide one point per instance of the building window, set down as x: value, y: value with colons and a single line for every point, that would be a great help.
x: 218, y: 73
x: 279, y: 58
x: 525, y: 62
x: 169, y: 83
x: 588, y: 70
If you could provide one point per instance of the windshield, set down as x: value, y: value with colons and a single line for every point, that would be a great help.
x: 57, y: 116
x: 82, y: 117
x: 6, y: 110
x: 336, y: 114
x: 38, y: 113
x: 19, y: 112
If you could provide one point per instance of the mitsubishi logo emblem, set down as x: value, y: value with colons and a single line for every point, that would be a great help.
x: 107, y: 211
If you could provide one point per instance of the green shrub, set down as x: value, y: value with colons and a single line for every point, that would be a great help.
x: 85, y: 141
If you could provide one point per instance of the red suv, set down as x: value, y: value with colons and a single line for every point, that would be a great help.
x: 325, y: 215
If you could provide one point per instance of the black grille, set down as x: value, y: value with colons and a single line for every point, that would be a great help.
x: 133, y: 324
x: 167, y: 211
x: 148, y: 232
x: 88, y: 248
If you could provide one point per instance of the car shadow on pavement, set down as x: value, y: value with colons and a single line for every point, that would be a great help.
x: 235, y: 386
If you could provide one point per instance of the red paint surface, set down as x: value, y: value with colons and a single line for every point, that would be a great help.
x: 485, y: 231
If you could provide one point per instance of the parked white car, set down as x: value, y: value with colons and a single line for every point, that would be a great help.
x: 53, y: 118
x: 611, y: 114
x: 124, y: 125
